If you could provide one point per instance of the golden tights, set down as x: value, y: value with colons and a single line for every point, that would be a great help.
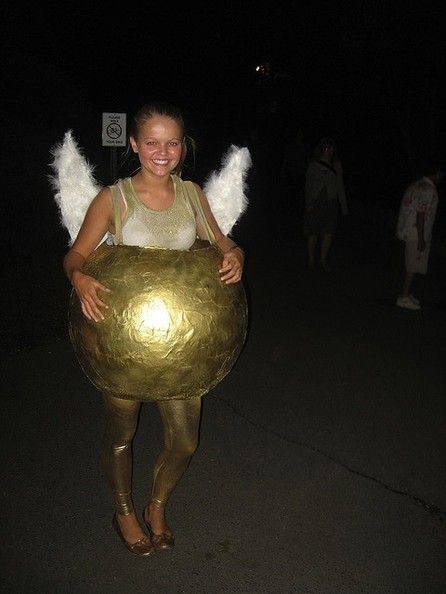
x: 181, y: 421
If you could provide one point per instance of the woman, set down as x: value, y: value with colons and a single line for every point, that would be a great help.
x: 324, y: 192
x: 154, y: 211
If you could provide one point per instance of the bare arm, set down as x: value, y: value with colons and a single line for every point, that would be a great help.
x: 231, y: 269
x: 98, y: 220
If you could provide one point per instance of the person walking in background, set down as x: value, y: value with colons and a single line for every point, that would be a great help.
x: 414, y: 226
x: 324, y: 193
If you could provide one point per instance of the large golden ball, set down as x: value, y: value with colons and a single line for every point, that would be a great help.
x: 172, y: 328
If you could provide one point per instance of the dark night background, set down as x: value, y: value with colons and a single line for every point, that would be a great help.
x: 371, y: 74
x: 321, y: 464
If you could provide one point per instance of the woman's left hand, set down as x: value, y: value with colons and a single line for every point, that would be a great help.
x: 232, y: 266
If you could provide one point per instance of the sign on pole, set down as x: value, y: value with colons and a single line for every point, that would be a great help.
x: 113, y: 135
x: 114, y: 129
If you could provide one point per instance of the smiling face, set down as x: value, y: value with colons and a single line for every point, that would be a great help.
x: 159, y: 145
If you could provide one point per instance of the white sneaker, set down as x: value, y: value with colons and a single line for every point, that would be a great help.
x: 407, y: 303
x: 414, y: 299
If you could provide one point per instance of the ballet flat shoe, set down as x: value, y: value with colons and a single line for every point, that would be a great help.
x: 161, y: 542
x: 142, y: 547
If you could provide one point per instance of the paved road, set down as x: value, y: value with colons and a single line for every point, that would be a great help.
x: 321, y: 463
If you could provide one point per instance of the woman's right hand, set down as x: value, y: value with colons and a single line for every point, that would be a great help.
x: 87, y: 289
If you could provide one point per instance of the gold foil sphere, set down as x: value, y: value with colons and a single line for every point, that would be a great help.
x: 172, y: 328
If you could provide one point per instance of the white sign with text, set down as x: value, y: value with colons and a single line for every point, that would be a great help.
x: 114, y: 129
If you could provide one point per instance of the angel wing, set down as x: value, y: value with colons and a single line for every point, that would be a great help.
x: 75, y: 186
x: 73, y: 182
x: 225, y: 189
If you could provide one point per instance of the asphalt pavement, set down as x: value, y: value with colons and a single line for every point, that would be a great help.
x: 321, y: 465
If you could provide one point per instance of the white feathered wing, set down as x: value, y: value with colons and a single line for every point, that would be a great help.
x: 73, y: 182
x: 225, y: 189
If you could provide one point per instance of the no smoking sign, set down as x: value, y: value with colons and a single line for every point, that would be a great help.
x: 113, y: 129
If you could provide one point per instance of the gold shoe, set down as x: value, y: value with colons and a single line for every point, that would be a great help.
x: 142, y: 547
x: 161, y: 542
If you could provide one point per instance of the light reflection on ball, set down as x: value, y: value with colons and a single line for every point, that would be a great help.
x: 172, y: 328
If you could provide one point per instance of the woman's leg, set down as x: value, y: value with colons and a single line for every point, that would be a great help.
x: 407, y: 284
x: 181, y: 422
x: 121, y: 420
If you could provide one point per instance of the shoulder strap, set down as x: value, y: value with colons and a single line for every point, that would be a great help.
x: 116, y: 203
x: 197, y: 207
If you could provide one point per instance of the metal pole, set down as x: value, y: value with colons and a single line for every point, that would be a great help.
x: 113, y: 164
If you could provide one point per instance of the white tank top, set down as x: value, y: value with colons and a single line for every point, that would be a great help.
x: 173, y: 228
